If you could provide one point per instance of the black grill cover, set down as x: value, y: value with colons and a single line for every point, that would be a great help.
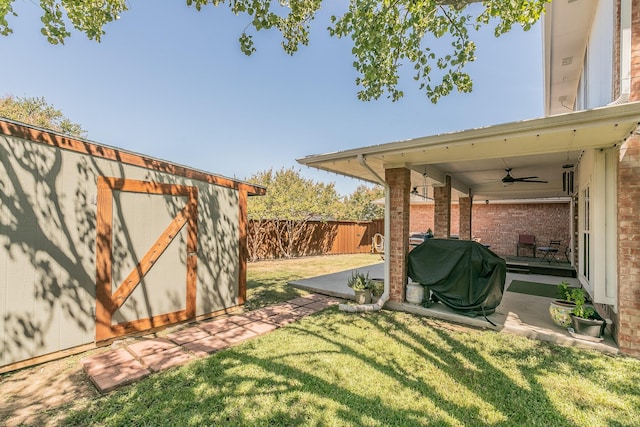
x: 464, y: 275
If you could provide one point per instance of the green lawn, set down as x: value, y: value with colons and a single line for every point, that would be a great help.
x: 379, y: 369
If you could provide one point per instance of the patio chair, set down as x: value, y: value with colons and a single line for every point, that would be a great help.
x: 550, y: 251
x: 526, y: 241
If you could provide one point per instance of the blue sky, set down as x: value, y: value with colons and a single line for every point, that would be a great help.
x: 170, y: 82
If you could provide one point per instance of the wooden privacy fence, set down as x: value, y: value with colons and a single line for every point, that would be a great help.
x: 316, y: 238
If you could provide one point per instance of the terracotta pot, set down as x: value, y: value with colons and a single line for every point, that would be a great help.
x: 560, y: 311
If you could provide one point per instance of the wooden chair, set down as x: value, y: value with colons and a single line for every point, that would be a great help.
x: 526, y: 241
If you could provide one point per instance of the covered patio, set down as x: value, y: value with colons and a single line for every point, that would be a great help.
x: 571, y: 156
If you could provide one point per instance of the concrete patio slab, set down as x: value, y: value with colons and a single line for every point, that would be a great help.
x: 146, y: 347
x: 166, y: 359
x: 113, y: 369
x: 214, y: 326
x: 520, y: 314
x: 187, y: 335
x: 236, y: 335
x: 143, y: 356
x: 260, y: 327
x: 205, y: 346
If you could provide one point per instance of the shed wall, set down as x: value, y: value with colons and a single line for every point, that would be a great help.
x: 48, y: 246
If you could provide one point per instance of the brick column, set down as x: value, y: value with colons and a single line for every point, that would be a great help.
x: 442, y: 212
x: 399, y: 180
x: 465, y: 205
x: 628, y: 319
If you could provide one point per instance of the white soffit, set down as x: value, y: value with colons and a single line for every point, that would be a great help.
x: 525, y: 145
x: 567, y: 25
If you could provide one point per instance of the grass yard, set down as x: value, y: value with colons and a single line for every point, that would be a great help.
x: 377, y: 369
x: 267, y: 280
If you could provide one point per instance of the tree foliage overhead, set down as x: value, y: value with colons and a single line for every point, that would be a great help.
x: 37, y: 112
x: 386, y: 34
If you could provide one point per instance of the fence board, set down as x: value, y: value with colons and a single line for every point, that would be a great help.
x: 318, y: 238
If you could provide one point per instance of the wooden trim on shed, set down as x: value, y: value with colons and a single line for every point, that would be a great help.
x: 88, y: 347
x: 107, y: 301
x: 243, y: 249
x: 85, y: 147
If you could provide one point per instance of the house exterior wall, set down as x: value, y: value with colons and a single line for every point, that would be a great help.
x: 499, y: 224
x: 627, y: 321
x: 48, y: 244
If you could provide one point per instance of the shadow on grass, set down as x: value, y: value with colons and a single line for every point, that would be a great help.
x: 274, y: 290
x: 374, y: 369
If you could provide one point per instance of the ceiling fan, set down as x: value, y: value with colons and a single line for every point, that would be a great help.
x: 510, y: 179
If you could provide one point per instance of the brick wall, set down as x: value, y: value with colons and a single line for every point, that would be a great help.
x: 628, y: 319
x: 500, y: 224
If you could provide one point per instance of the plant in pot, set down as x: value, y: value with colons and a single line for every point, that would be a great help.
x: 560, y: 309
x: 361, y: 286
x: 377, y: 289
x: 585, y: 320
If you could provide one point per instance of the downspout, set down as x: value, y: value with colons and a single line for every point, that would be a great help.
x: 387, y: 232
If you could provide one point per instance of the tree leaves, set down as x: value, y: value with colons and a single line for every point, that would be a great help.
x: 386, y: 34
x: 37, y: 112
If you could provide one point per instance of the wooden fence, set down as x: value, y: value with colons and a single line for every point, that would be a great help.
x: 317, y: 238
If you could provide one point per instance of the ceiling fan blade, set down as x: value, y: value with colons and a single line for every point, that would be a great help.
x: 525, y: 177
x: 531, y: 180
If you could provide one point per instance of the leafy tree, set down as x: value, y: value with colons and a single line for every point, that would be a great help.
x: 37, y: 112
x: 358, y: 206
x: 290, y: 203
x: 386, y: 33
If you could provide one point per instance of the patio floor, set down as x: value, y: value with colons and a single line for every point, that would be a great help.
x: 518, y: 313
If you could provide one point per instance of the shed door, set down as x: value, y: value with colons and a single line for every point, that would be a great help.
x: 146, y: 255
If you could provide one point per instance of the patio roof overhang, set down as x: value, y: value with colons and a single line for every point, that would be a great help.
x: 476, y: 159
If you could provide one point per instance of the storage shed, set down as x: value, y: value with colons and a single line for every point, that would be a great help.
x: 97, y: 243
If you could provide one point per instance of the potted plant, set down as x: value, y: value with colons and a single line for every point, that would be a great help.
x: 585, y: 320
x: 560, y: 309
x: 361, y: 286
x: 377, y: 289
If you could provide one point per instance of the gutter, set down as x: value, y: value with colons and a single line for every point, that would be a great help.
x: 387, y: 232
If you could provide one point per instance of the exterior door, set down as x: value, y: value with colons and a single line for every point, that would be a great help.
x: 146, y: 255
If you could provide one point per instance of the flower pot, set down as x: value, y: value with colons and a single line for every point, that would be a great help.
x: 363, y: 297
x: 560, y: 311
x: 589, y: 327
x: 415, y: 293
